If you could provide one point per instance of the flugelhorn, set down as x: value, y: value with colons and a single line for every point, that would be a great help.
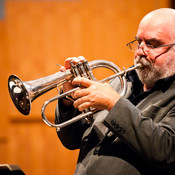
x: 23, y: 93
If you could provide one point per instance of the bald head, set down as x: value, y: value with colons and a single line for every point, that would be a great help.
x: 163, y: 18
x: 163, y: 12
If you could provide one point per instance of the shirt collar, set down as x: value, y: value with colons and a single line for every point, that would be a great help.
x: 165, y: 83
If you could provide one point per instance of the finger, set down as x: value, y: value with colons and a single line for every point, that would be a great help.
x: 79, y: 93
x: 82, y: 81
x: 81, y: 106
x: 84, y: 106
x: 81, y: 58
x: 79, y: 101
x: 62, y: 69
x: 67, y: 63
x: 74, y: 60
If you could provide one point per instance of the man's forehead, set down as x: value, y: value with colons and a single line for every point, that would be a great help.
x: 154, y: 30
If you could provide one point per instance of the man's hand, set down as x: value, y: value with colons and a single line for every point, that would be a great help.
x: 68, y: 86
x: 94, y: 94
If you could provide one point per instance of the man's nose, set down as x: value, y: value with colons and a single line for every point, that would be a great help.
x: 142, y: 50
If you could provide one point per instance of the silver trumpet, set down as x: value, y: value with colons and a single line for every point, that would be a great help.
x: 24, y: 93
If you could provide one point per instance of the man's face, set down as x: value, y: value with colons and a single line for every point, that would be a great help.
x: 157, y: 62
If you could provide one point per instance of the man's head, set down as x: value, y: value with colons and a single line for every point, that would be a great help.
x: 156, y: 28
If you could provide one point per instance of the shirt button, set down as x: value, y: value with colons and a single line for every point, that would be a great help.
x: 119, y: 129
x: 116, y: 126
x: 122, y: 131
x: 113, y: 122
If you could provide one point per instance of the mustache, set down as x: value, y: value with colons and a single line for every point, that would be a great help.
x: 142, y: 59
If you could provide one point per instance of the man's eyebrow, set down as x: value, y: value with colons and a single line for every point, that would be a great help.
x: 153, y: 39
x: 148, y: 40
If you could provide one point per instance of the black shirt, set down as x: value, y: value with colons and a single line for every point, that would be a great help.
x: 138, y: 94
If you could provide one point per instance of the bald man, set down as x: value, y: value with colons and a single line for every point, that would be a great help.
x: 134, y: 134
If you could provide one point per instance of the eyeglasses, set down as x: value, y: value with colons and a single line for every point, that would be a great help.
x: 134, y: 45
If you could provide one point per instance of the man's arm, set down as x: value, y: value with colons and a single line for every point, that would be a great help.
x: 150, y: 135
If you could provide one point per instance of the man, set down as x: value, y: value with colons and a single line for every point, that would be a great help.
x: 135, y: 134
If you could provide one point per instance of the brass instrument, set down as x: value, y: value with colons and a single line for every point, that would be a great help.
x: 23, y: 93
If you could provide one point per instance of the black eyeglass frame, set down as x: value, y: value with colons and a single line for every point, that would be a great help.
x: 148, y: 45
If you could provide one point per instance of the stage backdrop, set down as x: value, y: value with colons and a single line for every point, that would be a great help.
x: 35, y: 36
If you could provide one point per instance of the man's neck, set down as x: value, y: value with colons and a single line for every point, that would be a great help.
x: 146, y: 87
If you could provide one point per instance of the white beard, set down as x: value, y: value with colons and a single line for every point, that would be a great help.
x: 152, y: 72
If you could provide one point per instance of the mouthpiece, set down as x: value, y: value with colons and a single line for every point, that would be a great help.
x: 139, y: 66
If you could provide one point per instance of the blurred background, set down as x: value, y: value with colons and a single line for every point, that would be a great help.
x: 35, y: 36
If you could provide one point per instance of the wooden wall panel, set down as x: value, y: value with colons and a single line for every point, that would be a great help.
x: 37, y: 150
x: 35, y: 36
x: 3, y: 97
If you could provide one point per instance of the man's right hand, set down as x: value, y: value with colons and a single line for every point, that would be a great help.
x: 68, y: 85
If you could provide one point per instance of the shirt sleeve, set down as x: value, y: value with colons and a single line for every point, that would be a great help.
x: 71, y: 135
